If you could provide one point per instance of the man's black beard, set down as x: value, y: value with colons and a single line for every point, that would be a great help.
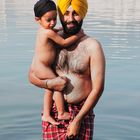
x: 74, y: 30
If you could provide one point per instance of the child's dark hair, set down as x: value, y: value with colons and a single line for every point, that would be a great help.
x: 43, y: 6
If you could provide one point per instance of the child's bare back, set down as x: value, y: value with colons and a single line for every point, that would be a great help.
x: 44, y: 55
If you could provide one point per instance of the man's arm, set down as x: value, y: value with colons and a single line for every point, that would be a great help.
x: 35, y: 80
x: 97, y: 69
x: 57, y: 84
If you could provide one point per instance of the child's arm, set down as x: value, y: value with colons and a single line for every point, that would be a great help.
x: 58, y: 29
x: 61, y: 41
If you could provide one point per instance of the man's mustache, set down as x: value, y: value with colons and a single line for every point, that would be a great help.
x: 71, y: 22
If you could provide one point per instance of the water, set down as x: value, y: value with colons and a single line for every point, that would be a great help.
x: 116, y: 23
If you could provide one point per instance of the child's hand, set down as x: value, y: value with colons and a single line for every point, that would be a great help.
x: 81, y: 33
x: 58, y: 29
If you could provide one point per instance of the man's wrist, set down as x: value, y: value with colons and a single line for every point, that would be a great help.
x: 46, y: 84
x: 77, y: 119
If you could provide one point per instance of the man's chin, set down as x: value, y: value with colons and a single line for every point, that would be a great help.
x: 72, y: 30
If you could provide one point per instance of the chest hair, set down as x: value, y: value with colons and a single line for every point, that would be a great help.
x: 73, y: 60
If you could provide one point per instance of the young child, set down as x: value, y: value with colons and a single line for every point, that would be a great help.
x: 46, y: 15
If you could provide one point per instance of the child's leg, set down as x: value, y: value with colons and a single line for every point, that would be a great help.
x: 45, y: 72
x: 59, y: 101
x: 47, y: 108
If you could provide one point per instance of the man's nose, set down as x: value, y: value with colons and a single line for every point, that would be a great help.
x: 71, y: 18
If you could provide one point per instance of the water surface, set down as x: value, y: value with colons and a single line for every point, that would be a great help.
x: 116, y: 24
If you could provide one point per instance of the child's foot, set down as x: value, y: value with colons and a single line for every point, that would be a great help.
x: 64, y: 116
x: 50, y: 120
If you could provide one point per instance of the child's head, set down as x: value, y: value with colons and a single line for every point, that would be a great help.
x: 45, y: 13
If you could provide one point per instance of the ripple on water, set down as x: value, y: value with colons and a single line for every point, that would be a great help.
x: 116, y: 24
x: 20, y: 125
x: 115, y: 127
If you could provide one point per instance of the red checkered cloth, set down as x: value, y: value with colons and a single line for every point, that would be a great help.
x: 52, y: 132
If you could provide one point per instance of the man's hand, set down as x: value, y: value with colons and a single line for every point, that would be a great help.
x: 57, y: 84
x: 73, y: 129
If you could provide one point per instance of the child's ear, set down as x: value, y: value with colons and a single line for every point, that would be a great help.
x: 37, y: 19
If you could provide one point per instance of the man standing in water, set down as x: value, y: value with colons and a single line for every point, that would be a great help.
x: 83, y: 67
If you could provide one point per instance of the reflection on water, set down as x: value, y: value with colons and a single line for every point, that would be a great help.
x: 116, y: 23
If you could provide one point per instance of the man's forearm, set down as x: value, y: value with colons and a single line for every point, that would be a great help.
x: 57, y: 84
x: 90, y: 103
x: 36, y: 81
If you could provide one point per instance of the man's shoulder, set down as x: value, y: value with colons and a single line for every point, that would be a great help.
x: 91, y: 43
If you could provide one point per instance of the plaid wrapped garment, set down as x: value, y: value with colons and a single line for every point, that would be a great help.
x: 52, y: 132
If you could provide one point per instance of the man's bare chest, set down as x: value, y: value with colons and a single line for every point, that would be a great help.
x: 75, y: 61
